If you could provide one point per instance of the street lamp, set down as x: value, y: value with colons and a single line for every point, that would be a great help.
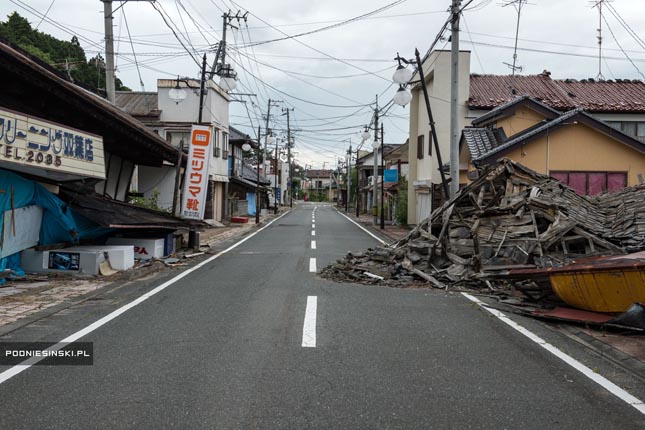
x: 402, y: 96
x: 365, y: 134
x: 177, y: 94
x: 227, y: 81
x: 402, y: 76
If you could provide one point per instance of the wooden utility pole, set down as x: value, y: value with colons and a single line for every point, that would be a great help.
x: 108, y: 18
x: 375, y: 175
x: 454, y: 94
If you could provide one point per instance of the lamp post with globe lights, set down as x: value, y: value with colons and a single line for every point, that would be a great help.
x: 402, y: 76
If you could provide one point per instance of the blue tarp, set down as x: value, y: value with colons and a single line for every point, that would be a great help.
x: 59, y: 223
x: 250, y: 198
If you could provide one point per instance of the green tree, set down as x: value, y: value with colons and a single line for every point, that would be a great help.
x: 69, y: 57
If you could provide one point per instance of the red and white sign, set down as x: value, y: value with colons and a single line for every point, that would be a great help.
x: 193, y: 201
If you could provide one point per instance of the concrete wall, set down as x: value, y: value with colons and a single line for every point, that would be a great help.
x: 580, y: 148
x: 521, y: 120
x: 425, y: 171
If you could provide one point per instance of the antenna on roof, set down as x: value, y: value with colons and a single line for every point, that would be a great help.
x: 598, y: 4
x: 517, y: 4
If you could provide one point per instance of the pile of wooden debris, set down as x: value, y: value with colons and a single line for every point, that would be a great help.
x: 509, y: 218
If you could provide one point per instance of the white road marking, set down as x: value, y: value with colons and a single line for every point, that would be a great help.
x: 363, y: 228
x: 312, y: 264
x: 19, y: 368
x: 309, y: 327
x: 313, y: 232
x: 589, y: 373
x: 313, y: 244
x: 313, y: 225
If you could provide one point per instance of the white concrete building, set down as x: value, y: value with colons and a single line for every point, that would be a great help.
x: 172, y: 119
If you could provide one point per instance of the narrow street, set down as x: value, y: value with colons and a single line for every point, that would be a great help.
x: 254, y: 339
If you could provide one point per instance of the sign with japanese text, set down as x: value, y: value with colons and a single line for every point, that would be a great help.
x: 36, y: 143
x: 391, y: 175
x: 193, y: 201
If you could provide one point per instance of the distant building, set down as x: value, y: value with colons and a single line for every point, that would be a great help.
x: 172, y: 120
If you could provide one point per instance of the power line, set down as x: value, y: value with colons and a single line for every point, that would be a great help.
x: 46, y: 13
x: 329, y: 27
x: 311, y: 47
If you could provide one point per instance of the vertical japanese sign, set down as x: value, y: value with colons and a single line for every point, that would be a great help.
x: 193, y: 201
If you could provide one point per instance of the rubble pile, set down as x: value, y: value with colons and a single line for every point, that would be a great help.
x: 510, y: 217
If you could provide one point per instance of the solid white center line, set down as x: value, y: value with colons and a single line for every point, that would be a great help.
x: 309, y: 327
x: 312, y: 264
x: 313, y: 232
x: 589, y: 373
x: 313, y: 244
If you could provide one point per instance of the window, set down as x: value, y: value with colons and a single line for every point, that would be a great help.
x: 640, y: 131
x: 420, y: 147
x: 177, y: 138
x: 430, y: 143
x: 591, y: 183
x: 216, y: 148
x: 224, y: 145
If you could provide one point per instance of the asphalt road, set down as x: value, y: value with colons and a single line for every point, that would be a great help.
x: 222, y: 348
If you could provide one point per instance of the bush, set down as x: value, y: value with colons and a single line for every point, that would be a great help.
x: 401, y: 214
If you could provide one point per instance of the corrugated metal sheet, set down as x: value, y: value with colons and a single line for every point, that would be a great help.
x: 138, y: 103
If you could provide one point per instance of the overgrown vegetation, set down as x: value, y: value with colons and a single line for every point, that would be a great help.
x: 68, y: 57
x: 401, y: 214
x: 151, y: 202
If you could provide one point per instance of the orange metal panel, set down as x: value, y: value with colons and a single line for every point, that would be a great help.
x: 600, y: 290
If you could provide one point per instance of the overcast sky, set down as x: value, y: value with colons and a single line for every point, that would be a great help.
x: 347, y: 66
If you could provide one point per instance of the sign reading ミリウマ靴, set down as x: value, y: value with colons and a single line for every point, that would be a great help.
x: 32, y: 142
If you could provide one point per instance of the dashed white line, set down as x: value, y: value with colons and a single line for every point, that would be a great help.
x: 589, y: 373
x: 309, y: 326
x: 313, y: 244
x: 313, y: 232
x: 312, y: 264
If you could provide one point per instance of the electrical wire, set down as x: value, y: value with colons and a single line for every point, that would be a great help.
x: 340, y: 24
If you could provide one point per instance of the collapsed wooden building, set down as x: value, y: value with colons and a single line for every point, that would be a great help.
x: 508, y: 218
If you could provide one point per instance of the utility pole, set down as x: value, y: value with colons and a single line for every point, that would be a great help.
x: 349, y: 175
x: 382, y: 179
x: 109, y: 51
x: 257, y: 183
x: 454, y: 93
x: 375, y: 156
x: 275, y: 174
x: 108, y: 18
x: 289, y: 154
x: 220, y: 56
x: 202, y: 85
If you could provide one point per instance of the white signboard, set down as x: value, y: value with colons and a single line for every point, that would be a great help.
x: 33, y: 142
x: 193, y: 201
x: 20, y: 229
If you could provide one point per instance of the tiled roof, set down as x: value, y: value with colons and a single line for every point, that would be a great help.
x: 250, y: 174
x: 138, y: 103
x: 501, y: 109
x: 490, y: 91
x: 480, y: 141
x: 319, y: 173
